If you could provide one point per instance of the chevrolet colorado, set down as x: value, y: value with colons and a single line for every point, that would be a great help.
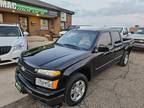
x: 60, y: 72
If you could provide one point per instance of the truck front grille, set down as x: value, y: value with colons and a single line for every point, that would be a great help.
x: 27, y: 72
x: 4, y: 49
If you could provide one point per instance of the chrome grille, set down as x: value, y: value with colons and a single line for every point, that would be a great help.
x: 4, y: 49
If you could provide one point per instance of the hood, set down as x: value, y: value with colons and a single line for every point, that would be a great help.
x: 53, y: 57
x: 137, y: 36
x: 8, y: 41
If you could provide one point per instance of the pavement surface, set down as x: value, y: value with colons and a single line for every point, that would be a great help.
x: 116, y: 87
x: 8, y: 93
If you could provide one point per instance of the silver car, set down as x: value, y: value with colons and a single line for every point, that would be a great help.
x: 138, y: 38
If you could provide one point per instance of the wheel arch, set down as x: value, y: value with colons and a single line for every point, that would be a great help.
x: 84, y: 70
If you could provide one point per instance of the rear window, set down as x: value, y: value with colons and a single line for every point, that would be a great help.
x: 9, y: 31
x: 140, y: 31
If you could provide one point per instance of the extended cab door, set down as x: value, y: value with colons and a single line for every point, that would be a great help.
x: 118, y: 44
x: 104, y: 58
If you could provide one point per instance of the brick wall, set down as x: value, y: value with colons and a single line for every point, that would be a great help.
x: 69, y: 20
x: 57, y: 24
x: 10, y: 18
x: 34, y: 23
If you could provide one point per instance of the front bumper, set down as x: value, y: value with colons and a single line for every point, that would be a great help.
x: 50, y: 98
x: 11, y: 57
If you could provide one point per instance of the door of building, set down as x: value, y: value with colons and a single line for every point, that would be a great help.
x: 1, y: 18
x: 24, y: 23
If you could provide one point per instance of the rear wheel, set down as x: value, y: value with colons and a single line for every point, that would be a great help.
x: 125, y: 59
x: 76, y: 89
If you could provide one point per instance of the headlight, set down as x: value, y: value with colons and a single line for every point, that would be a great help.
x: 18, y: 46
x: 46, y: 83
x: 48, y: 72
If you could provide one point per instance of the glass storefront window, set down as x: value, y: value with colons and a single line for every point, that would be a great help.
x: 44, y: 24
x: 24, y: 23
x: 62, y: 25
x: 1, y: 18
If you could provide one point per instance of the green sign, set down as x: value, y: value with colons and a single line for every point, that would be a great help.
x: 27, y: 8
x: 31, y: 9
x: 22, y: 7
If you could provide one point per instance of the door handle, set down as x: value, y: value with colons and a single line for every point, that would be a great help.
x: 117, y: 45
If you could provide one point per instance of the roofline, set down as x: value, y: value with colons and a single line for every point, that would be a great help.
x: 57, y: 8
x: 96, y: 29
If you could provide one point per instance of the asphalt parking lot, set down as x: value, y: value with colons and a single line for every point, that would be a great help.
x: 116, y: 87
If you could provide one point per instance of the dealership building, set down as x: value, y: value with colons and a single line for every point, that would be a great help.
x: 34, y: 16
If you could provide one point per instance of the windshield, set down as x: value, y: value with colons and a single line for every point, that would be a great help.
x: 119, y: 29
x: 9, y: 31
x: 140, y: 31
x: 72, y: 27
x: 78, y: 39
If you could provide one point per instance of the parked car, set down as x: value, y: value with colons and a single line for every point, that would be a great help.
x: 12, y: 43
x: 68, y: 29
x: 61, y: 71
x: 123, y: 30
x: 138, y: 38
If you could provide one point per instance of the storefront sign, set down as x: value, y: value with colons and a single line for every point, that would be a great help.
x: 63, y: 17
x: 31, y: 9
x: 53, y: 13
x: 17, y: 6
x: 7, y: 4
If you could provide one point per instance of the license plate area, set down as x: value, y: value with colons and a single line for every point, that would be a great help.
x: 18, y: 86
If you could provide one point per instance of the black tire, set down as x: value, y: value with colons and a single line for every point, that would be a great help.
x: 75, y: 78
x: 125, y: 59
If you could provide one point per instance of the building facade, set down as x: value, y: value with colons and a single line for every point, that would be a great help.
x: 35, y: 17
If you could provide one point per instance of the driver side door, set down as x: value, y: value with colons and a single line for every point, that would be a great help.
x: 104, y: 58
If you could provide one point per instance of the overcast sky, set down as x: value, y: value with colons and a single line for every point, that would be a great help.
x: 104, y: 12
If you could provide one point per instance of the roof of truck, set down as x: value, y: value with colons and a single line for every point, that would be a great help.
x: 92, y: 28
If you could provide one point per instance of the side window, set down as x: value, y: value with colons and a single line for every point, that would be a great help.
x: 116, y: 37
x: 105, y: 39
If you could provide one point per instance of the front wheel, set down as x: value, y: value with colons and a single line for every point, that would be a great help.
x: 125, y: 59
x: 76, y: 89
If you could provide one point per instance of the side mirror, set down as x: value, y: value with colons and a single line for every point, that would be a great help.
x: 25, y: 33
x: 125, y: 33
x: 103, y: 49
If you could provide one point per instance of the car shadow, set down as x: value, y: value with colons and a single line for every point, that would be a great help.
x: 8, y: 66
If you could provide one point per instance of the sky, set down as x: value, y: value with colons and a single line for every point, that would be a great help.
x: 104, y: 12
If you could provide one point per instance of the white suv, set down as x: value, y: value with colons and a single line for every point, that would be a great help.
x: 12, y: 43
x: 122, y: 30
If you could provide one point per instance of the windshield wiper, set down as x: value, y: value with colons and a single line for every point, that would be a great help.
x: 59, y: 44
x: 72, y: 46
x: 69, y: 45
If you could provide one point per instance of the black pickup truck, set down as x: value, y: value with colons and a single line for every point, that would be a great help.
x: 60, y: 72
